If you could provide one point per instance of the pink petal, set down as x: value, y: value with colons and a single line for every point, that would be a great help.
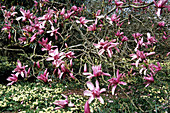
x: 100, y: 99
x: 86, y: 108
x: 101, y: 51
x: 97, y: 85
x: 90, y: 85
x: 91, y: 99
x: 113, y: 89
x: 86, y: 73
x: 123, y: 83
x: 87, y: 93
x: 102, y: 90
x: 106, y: 74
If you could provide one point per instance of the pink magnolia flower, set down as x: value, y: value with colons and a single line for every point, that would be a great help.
x: 63, y: 103
x: 26, y: 15
x: 70, y: 54
x: 68, y: 14
x: 119, y: 34
x: 149, y: 79
x: 8, y: 14
x: 37, y: 25
x: 74, y: 8
x: 86, y: 107
x: 13, y: 79
x: 38, y: 64
x: 44, y: 42
x: 151, y: 39
x: 62, y: 11
x: 118, y: 4
x: 28, y: 28
x: 97, y: 71
x: 115, y: 82
x: 44, y: 77
x: 98, y: 15
x: 124, y: 39
x: 114, y: 18
x: 136, y: 35
x: 22, y: 40
x: 160, y: 5
x: 140, y: 55
x: 93, y: 26
x: 106, y: 46
x: 161, y: 24
x: 64, y: 71
x: 140, y: 43
x: 168, y: 54
x: 82, y: 21
x: 158, y: 67
x: 20, y: 69
x: 54, y: 32
x: 56, y: 57
x: 94, y: 92
x: 45, y: 45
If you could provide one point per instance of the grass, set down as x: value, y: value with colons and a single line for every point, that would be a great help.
x: 39, y: 97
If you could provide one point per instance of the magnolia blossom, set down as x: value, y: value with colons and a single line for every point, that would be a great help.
x: 96, y: 72
x: 119, y: 34
x: 54, y: 32
x: 63, y: 103
x: 45, y: 45
x: 151, y: 39
x: 22, y: 40
x: 118, y: 4
x: 56, y: 57
x: 44, y: 77
x: 114, y: 18
x: 161, y: 24
x: 149, y: 79
x: 82, y: 21
x: 62, y: 11
x: 124, y: 39
x: 26, y: 15
x: 13, y: 79
x: 157, y: 68
x: 20, y: 69
x: 94, y: 92
x: 93, y: 26
x: 74, y: 8
x: 65, y: 70
x: 140, y: 55
x: 106, y: 46
x: 68, y: 14
x: 136, y: 35
x: 160, y: 4
x: 140, y: 43
x: 115, y: 82
x: 70, y: 54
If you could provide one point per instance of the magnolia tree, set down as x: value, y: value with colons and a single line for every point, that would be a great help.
x: 106, y: 44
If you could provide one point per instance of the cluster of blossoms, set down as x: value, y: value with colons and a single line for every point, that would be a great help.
x: 62, y: 62
x: 106, y: 46
x: 19, y: 70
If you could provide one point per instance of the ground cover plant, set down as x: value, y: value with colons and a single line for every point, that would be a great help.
x: 69, y: 56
